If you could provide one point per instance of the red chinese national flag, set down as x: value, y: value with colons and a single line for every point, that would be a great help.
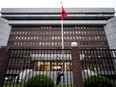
x: 63, y: 14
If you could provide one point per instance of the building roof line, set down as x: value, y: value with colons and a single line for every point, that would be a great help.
x: 57, y: 10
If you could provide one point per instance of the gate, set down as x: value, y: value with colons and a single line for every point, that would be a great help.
x: 26, y: 63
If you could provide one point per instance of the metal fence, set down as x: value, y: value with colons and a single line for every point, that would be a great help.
x: 57, y: 64
x: 97, y: 62
x: 26, y: 63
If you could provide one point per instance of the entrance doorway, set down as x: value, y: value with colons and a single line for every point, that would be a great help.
x: 54, y: 66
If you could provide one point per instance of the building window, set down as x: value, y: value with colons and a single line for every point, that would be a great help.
x: 47, y: 36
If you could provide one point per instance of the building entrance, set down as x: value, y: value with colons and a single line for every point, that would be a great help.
x: 53, y: 66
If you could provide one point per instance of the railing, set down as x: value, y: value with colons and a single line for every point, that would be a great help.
x: 26, y: 63
x: 99, y: 63
x: 57, y: 64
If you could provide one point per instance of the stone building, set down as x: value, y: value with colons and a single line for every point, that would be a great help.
x: 41, y: 28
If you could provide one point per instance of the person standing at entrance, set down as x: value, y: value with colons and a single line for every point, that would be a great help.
x: 59, y: 77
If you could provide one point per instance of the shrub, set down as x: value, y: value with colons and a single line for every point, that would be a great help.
x: 39, y: 81
x: 97, y: 81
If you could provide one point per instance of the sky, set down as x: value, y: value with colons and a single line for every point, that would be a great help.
x: 57, y: 3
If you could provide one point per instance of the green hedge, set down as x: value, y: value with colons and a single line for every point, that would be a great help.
x: 97, y: 81
x: 40, y: 81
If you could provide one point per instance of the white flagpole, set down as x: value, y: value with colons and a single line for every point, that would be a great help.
x: 62, y: 30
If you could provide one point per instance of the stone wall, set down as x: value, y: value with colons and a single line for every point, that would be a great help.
x: 110, y: 30
x: 5, y: 29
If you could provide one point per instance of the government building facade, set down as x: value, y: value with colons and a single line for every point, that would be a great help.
x: 29, y: 32
x: 41, y: 28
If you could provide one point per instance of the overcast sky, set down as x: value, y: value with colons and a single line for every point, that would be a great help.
x: 57, y: 4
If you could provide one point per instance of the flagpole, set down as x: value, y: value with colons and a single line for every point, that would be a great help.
x: 62, y: 30
x: 63, y: 14
x: 62, y: 34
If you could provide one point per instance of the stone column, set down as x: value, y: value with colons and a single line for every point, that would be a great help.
x: 4, y: 59
x: 76, y: 66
